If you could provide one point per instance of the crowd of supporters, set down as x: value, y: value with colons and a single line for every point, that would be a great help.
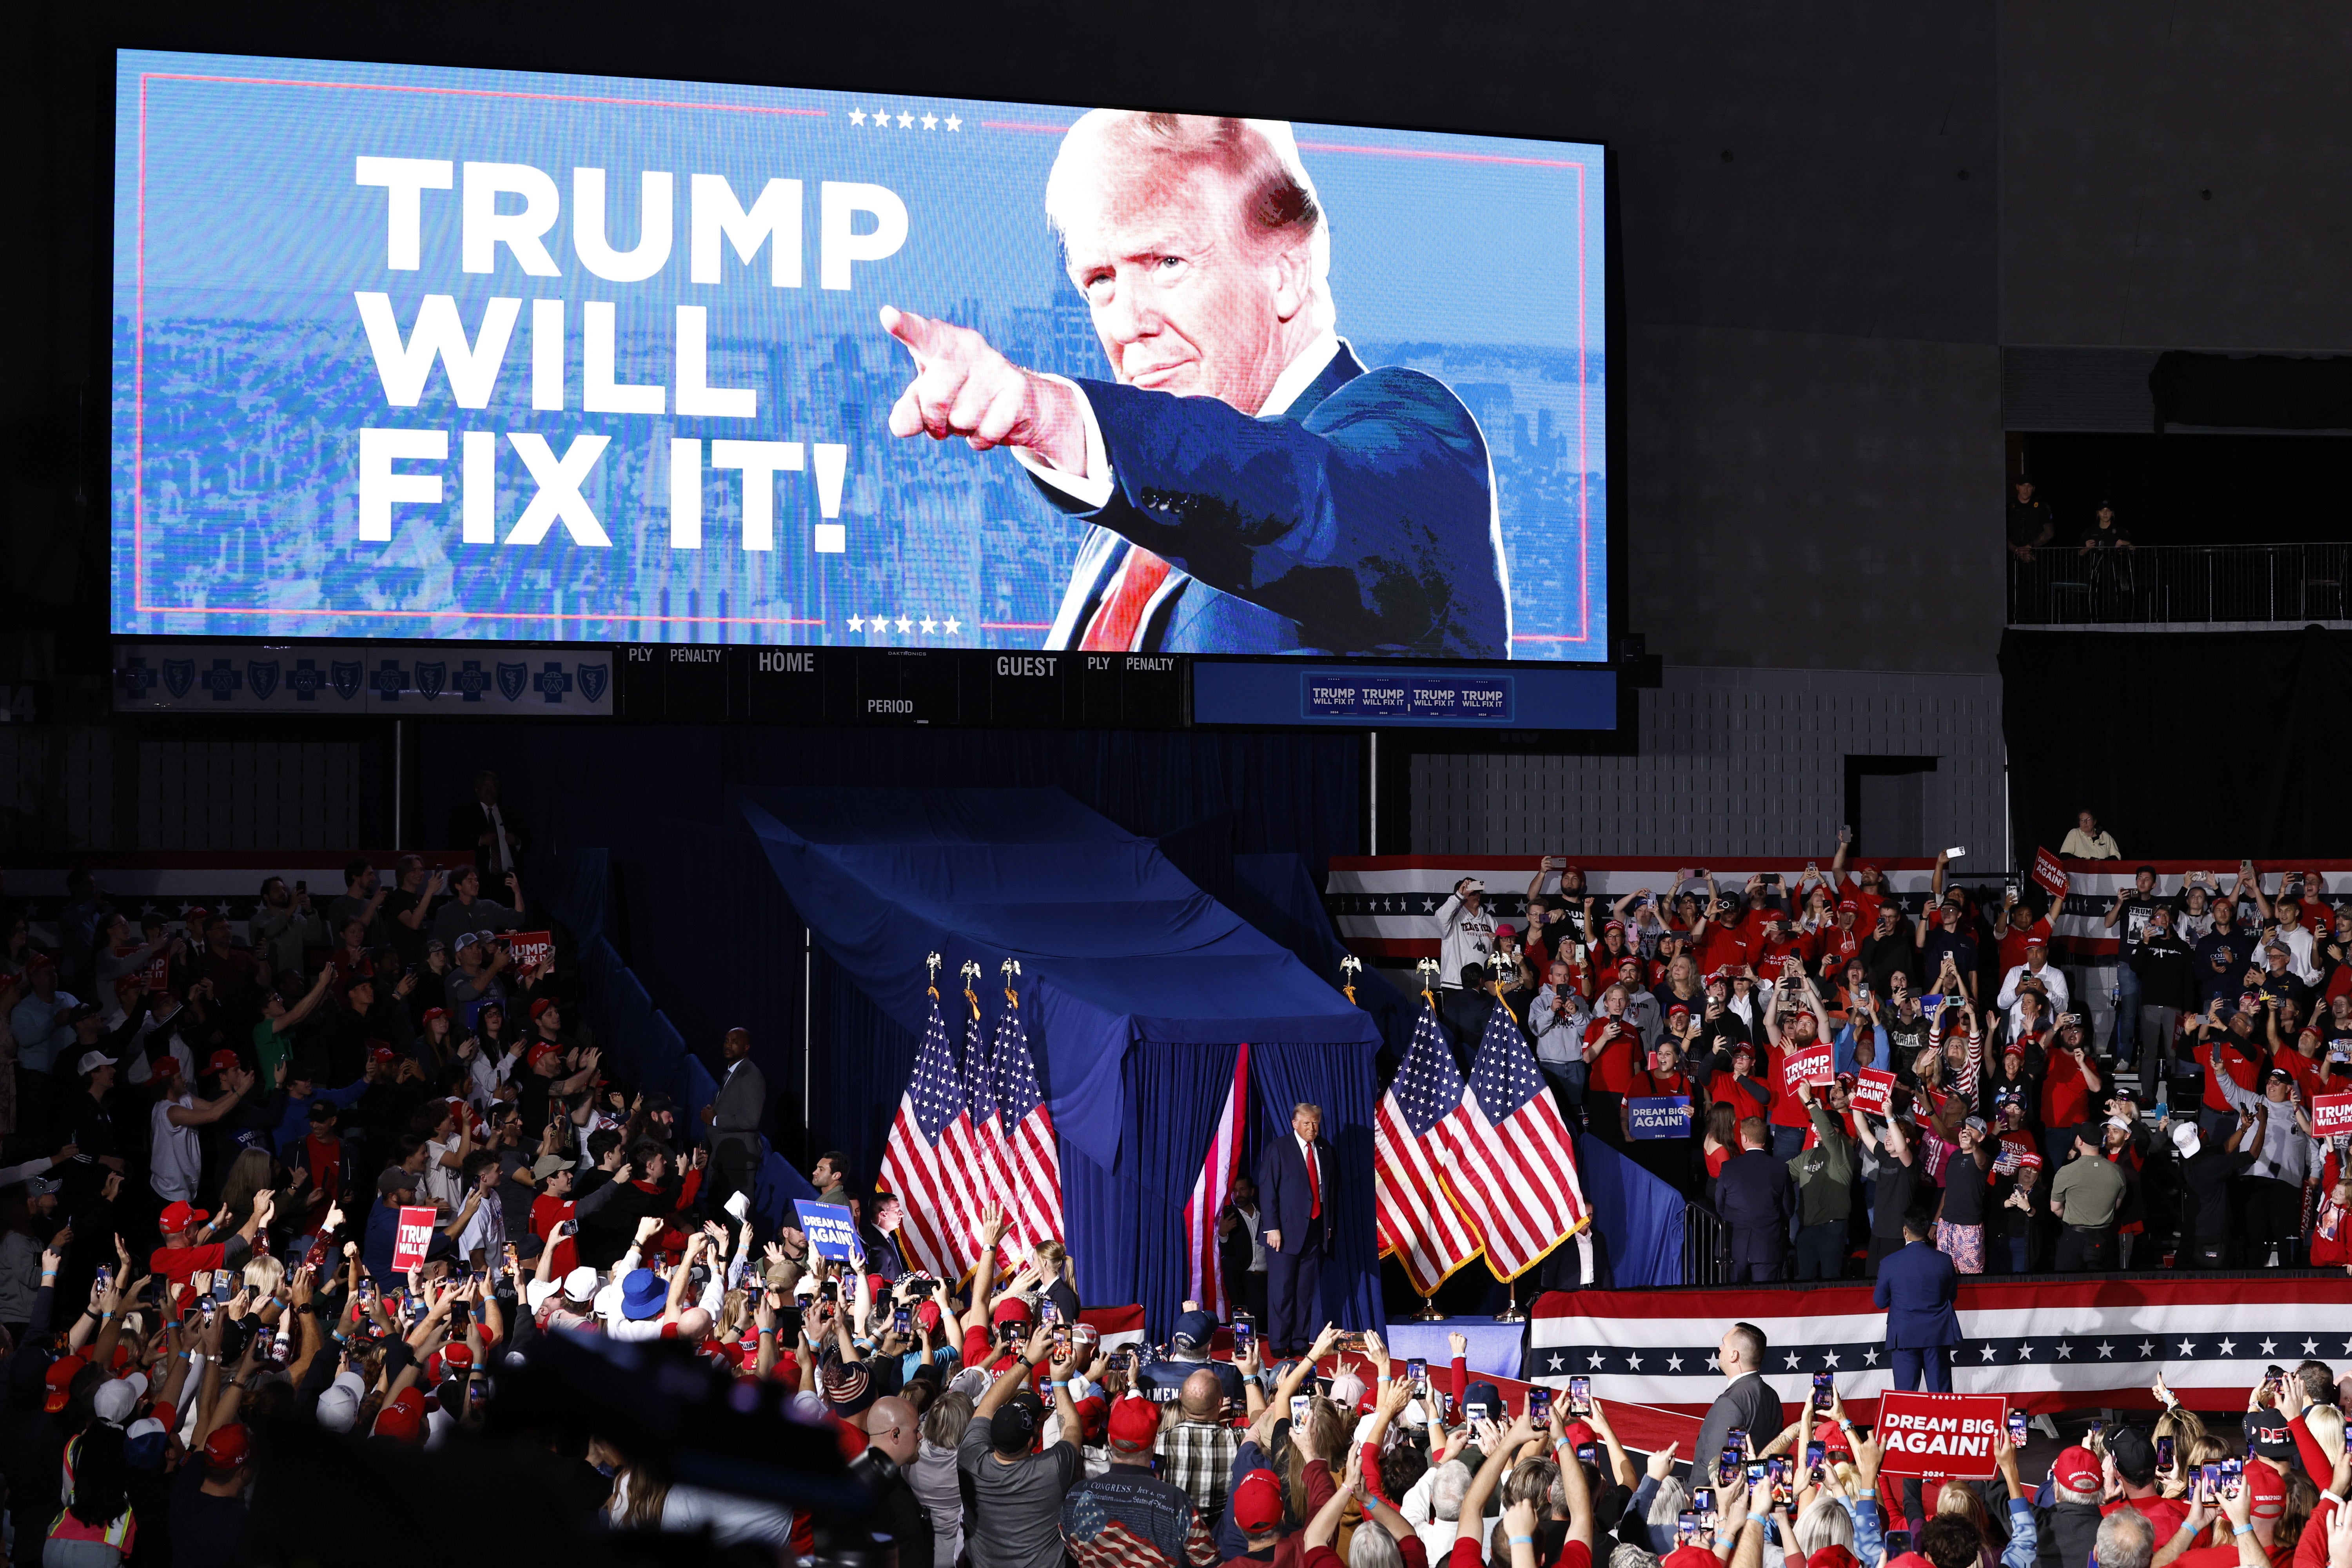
x: 2179, y: 1137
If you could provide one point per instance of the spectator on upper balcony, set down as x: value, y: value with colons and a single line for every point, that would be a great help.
x: 2104, y: 532
x: 2088, y: 841
x: 480, y: 825
x: 284, y: 925
x: 1465, y: 933
x: 362, y: 900
x: 2029, y: 522
x: 409, y: 909
x: 466, y: 909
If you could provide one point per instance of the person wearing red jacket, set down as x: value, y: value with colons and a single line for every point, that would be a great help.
x: 2068, y: 1083
x: 1794, y: 1022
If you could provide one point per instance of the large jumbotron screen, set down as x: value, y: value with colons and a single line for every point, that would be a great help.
x: 417, y: 353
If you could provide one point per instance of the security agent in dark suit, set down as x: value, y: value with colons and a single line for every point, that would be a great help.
x: 1917, y: 1287
x: 1294, y: 1191
x: 1255, y: 488
x: 1753, y: 1197
x: 1746, y: 1404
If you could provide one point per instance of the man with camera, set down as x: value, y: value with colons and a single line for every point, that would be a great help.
x: 1466, y: 931
x: 466, y: 909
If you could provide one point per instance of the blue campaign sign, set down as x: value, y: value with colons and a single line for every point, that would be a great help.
x: 422, y: 353
x: 1664, y: 1116
x: 831, y: 1231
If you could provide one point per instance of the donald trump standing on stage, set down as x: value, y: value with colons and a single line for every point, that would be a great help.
x: 1295, y: 1207
x: 1253, y: 487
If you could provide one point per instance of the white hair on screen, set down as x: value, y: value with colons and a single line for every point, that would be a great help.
x: 1260, y: 155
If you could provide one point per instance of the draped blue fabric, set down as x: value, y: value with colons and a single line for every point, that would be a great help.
x: 1637, y: 1220
x: 1136, y: 985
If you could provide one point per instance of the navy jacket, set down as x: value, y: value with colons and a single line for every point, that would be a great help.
x: 1359, y: 521
x: 1283, y: 1199
x: 1755, y: 1198
x: 1917, y: 1286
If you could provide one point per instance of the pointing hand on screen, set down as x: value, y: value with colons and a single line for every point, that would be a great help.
x: 964, y: 387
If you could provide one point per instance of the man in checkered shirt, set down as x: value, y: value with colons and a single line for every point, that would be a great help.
x: 1196, y: 1453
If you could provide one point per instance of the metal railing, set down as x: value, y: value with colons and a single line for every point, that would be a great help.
x: 1706, y: 1247
x: 2182, y: 585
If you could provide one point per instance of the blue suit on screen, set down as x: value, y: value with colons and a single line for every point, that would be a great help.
x: 1293, y: 1274
x: 1361, y: 520
x: 1917, y: 1288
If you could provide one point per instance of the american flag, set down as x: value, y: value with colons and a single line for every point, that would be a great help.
x: 1418, y: 1221
x: 972, y: 1172
x: 1513, y: 1167
x: 1211, y: 1190
x: 1033, y: 1161
x: 994, y: 1182
x: 919, y: 1164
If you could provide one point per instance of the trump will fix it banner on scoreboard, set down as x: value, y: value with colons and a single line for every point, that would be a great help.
x: 2043, y: 1346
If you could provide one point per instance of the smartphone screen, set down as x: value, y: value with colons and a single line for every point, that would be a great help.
x: 1824, y: 1385
x: 2164, y: 1454
x: 1475, y: 1411
x: 1416, y: 1371
x: 1049, y: 1314
x: 1243, y: 1333
x: 1689, y: 1528
x: 1539, y: 1405
x: 2016, y: 1430
x: 1738, y: 1438
x: 2233, y: 1477
x: 1814, y: 1454
x: 1727, y: 1469
x: 2209, y: 1483
x: 1298, y: 1409
x: 1703, y: 1501
x: 1589, y: 1453
x: 1580, y: 1397
x: 903, y: 1321
x: 1898, y: 1542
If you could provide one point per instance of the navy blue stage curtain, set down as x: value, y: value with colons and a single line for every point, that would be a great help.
x: 1637, y: 1221
x: 861, y: 1060
x: 1339, y: 1078
x: 1126, y: 1225
x: 713, y: 938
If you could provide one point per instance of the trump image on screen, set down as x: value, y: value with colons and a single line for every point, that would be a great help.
x: 1253, y: 487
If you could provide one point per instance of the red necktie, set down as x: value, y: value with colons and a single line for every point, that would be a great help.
x: 1112, y: 630
x: 1314, y: 1187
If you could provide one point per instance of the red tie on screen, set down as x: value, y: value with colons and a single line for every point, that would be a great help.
x: 1113, y: 628
x: 1314, y: 1187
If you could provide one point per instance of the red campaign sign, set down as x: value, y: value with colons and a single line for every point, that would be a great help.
x: 1817, y: 1067
x: 1874, y: 1091
x: 1941, y: 1436
x: 153, y: 975
x: 2331, y: 1114
x: 413, y: 1239
x: 529, y: 947
x: 2049, y: 872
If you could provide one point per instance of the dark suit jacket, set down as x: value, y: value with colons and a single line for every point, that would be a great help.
x: 1361, y: 520
x: 1917, y: 1287
x: 1755, y: 1197
x: 1283, y: 1199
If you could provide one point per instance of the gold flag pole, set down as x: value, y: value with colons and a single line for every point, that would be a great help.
x: 932, y: 961
x: 1350, y: 966
x: 1427, y: 970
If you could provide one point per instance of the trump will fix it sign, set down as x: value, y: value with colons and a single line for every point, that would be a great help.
x: 1941, y: 1436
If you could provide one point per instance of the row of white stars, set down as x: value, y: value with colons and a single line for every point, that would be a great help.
x: 881, y: 118
x: 2065, y: 1352
x: 905, y: 623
